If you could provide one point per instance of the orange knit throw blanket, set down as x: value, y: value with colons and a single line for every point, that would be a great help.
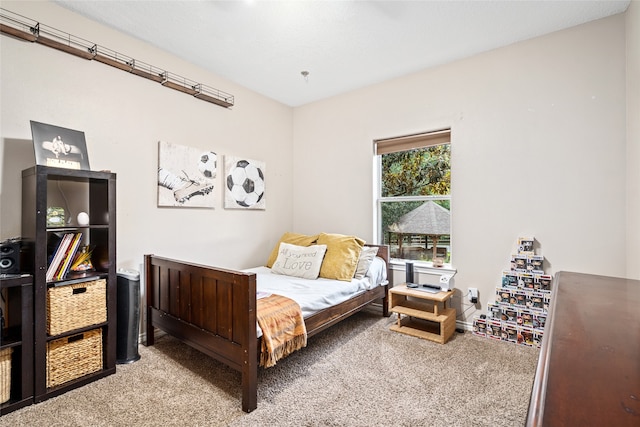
x: 283, y: 328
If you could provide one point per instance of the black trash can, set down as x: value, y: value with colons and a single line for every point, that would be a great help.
x: 128, y: 316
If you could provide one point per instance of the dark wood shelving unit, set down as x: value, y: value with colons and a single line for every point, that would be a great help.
x: 77, y: 191
x: 18, y: 335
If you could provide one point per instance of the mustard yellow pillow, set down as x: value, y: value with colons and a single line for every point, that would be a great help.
x: 292, y: 238
x: 341, y: 259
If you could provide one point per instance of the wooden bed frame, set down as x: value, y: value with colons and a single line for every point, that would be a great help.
x: 214, y: 311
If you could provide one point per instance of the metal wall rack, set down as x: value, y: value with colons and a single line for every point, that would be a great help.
x: 27, y: 29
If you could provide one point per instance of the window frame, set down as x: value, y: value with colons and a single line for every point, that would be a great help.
x: 406, y: 143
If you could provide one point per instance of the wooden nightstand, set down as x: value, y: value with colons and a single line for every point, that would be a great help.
x: 421, y: 315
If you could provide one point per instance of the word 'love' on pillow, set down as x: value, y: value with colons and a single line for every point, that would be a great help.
x: 299, y: 261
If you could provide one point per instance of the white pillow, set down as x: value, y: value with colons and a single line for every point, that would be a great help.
x: 299, y: 261
x: 366, y: 257
x: 377, y: 272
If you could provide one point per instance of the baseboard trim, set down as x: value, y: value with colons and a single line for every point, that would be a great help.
x: 467, y: 326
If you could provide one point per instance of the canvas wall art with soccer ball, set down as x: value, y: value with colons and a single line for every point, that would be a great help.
x: 186, y: 178
x: 244, y: 183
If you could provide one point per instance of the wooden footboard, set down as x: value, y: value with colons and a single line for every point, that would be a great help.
x: 214, y: 311
x: 211, y: 309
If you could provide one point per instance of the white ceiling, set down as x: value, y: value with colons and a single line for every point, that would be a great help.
x: 344, y: 45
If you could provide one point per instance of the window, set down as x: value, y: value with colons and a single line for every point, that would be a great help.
x: 414, y: 195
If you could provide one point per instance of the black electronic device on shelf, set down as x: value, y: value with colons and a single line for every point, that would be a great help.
x: 434, y: 289
x: 10, y: 256
x: 410, y: 281
x: 424, y: 287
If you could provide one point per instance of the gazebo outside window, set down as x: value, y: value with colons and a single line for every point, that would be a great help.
x: 411, y: 235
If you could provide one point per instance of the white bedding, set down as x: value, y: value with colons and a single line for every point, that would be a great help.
x: 316, y: 295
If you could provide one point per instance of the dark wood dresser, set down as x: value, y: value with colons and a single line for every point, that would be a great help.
x: 588, y: 373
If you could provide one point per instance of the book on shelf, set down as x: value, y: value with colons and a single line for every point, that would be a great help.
x: 63, y: 255
x: 57, y: 254
x: 69, y: 256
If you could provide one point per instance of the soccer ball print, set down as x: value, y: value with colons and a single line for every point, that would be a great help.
x: 244, y: 183
x: 207, y: 164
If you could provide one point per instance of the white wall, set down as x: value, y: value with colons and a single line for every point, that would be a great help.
x: 124, y: 117
x: 633, y: 139
x: 538, y: 148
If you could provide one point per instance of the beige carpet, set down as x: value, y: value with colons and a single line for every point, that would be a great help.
x: 357, y: 373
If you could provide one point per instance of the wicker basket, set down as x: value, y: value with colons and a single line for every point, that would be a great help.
x: 5, y: 374
x: 72, y: 357
x: 76, y: 306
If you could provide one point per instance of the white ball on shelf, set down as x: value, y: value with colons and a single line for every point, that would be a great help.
x: 83, y: 218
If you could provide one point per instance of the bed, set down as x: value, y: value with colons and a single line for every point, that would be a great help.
x: 214, y: 311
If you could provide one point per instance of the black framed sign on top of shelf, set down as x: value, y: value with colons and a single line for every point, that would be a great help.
x: 59, y: 147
